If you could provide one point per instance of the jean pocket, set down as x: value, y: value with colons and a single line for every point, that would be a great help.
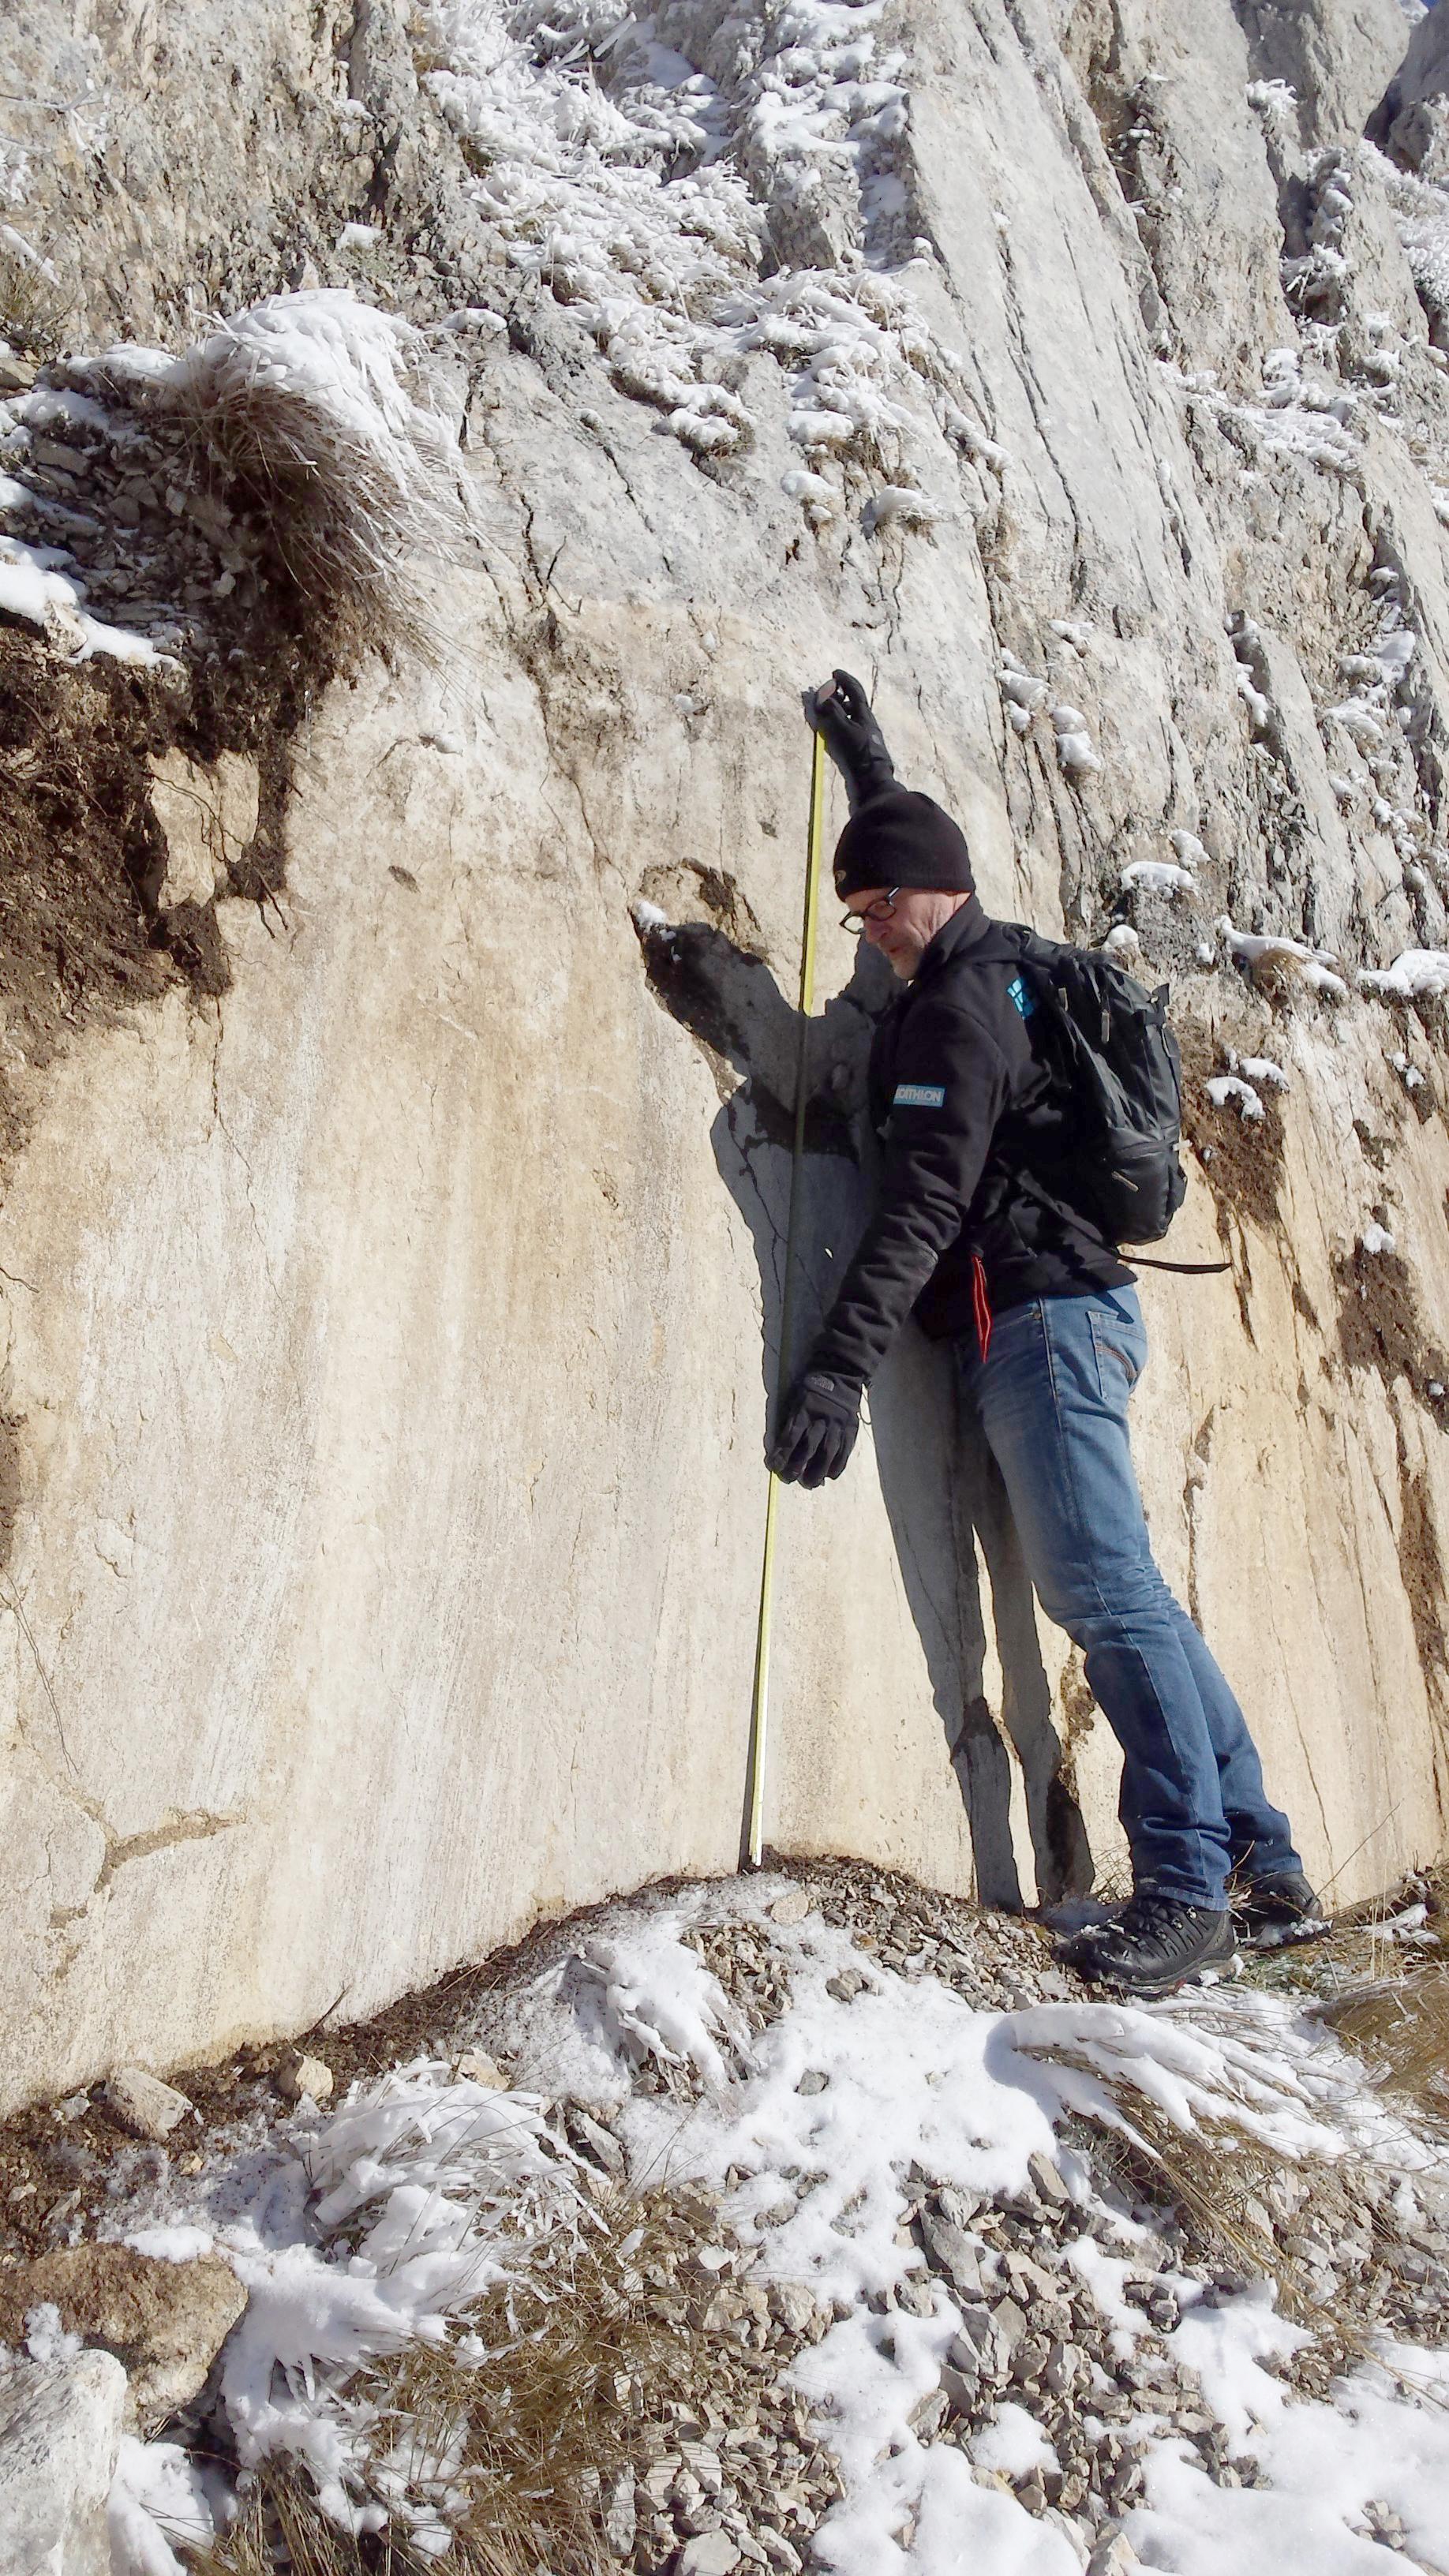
x: 1121, y: 1356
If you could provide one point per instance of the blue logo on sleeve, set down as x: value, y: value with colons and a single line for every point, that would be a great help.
x: 919, y: 1095
x: 1025, y: 1001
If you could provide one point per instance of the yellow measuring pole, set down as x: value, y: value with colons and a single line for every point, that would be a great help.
x: 760, y: 1707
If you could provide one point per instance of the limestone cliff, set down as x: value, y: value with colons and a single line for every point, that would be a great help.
x: 391, y: 1232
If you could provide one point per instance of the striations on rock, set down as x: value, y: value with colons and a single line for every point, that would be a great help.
x: 60, y: 2431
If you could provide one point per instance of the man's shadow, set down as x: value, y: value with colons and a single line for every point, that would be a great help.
x: 938, y: 1478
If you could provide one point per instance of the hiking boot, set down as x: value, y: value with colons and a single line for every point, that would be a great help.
x: 1280, y: 1906
x: 1154, y: 1944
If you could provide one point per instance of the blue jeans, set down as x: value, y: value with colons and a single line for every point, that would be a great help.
x: 1051, y: 1398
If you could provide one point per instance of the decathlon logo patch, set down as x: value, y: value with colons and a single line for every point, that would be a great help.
x: 1016, y: 992
x: 919, y: 1095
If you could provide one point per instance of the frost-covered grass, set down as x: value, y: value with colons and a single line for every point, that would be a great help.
x: 311, y: 426
x: 1276, y: 962
x: 329, y: 415
x: 453, y: 2326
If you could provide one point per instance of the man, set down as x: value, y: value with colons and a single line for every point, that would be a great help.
x: 976, y: 1234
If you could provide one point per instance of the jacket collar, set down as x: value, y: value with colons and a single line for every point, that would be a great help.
x: 965, y: 929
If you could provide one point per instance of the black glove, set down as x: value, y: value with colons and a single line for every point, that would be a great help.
x: 840, y: 712
x: 818, y: 1424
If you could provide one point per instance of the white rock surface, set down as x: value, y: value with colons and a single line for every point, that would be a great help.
x: 208, y: 815
x: 386, y: 1381
x: 60, y: 2430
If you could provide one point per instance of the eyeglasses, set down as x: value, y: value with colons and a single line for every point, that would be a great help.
x: 881, y: 910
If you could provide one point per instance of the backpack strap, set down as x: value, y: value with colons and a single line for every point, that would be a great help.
x: 1093, y: 1234
x: 1185, y: 1269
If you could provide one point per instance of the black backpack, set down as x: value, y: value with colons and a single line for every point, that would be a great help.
x: 1108, y: 1041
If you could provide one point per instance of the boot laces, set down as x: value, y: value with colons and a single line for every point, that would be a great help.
x: 1150, y: 1913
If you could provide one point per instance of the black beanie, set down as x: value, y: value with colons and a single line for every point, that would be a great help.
x: 901, y: 839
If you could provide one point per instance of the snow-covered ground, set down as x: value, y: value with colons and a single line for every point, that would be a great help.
x: 1015, y: 2363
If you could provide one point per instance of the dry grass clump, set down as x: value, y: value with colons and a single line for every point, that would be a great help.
x: 517, y: 2429
x: 1277, y: 970
x: 32, y: 309
x: 575, y: 2356
x: 280, y: 2528
x: 1400, y: 2028
x: 326, y: 416
x: 1213, y: 2179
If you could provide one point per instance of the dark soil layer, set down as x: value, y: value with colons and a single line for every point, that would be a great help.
x: 1380, y: 1325
x: 1241, y: 1159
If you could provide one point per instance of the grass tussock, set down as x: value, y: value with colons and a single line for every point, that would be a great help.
x: 279, y: 2527
x: 514, y: 2434
x: 33, y: 312
x: 1399, y: 2026
x: 1214, y: 2179
x: 327, y: 418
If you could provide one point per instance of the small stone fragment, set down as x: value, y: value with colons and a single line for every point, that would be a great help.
x: 951, y: 2253
x: 812, y: 2081
x: 792, y: 2305
x: 475, y: 2066
x: 1071, y: 2532
x: 962, y: 2391
x: 703, y: 2465
x: 976, y: 2338
x: 1010, y: 2323
x: 710, y: 2553
x: 1114, y: 2557
x: 929, y: 2414
x: 144, y: 2105
x: 1028, y: 2279
x: 304, y: 2074
x: 660, y: 2477
x: 618, y: 2518
x: 593, y: 2139
x: 207, y: 815
x: 792, y: 1908
x: 1046, y: 2180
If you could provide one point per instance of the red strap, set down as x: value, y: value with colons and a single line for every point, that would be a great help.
x: 981, y: 1304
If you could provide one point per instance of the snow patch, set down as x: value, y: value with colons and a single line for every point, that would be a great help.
x: 1419, y: 975
x: 1156, y: 876
x: 1229, y: 1087
x: 31, y: 589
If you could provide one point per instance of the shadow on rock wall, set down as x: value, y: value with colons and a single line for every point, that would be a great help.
x: 938, y: 1480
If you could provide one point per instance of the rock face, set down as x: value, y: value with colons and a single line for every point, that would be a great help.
x: 387, y: 1250
x: 164, y: 2322
x: 60, y: 2430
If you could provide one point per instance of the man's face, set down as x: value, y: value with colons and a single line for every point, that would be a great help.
x: 902, y: 921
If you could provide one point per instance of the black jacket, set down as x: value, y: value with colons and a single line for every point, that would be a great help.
x: 977, y: 1141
